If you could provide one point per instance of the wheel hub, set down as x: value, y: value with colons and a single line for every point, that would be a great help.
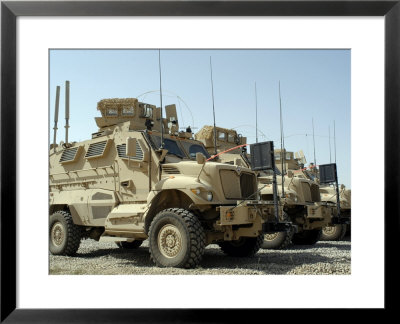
x: 169, y: 241
x: 270, y: 237
x: 329, y: 230
x: 57, y: 234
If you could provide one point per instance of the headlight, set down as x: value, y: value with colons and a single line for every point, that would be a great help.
x: 196, y: 191
x: 291, y: 196
x: 209, y: 196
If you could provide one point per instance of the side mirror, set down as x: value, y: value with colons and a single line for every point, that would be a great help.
x: 290, y: 173
x: 200, y: 158
x: 130, y: 147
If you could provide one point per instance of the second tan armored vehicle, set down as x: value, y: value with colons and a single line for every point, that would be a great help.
x: 337, y: 232
x: 301, y: 203
x: 130, y: 182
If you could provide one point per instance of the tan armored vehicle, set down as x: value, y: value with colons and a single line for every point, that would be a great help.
x: 130, y: 182
x: 336, y: 232
x: 301, y: 203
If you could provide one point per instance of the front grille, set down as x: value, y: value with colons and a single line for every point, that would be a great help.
x: 305, y: 187
x: 315, y: 195
x: 237, y: 186
x: 230, y: 184
x: 267, y: 197
x: 170, y: 170
x: 247, y: 185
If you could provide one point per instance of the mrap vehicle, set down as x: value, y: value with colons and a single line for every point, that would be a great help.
x: 334, y: 232
x: 131, y: 182
x: 299, y: 200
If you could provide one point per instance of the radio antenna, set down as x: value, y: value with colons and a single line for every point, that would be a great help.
x: 255, y: 89
x: 212, y: 93
x: 161, y: 106
x: 66, y: 111
x: 313, y: 137
x: 330, y: 155
x: 334, y: 138
x: 56, y: 117
x: 282, y: 143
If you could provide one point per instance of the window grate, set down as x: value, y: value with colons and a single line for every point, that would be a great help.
x: 96, y: 150
x: 121, y: 150
x: 69, y: 155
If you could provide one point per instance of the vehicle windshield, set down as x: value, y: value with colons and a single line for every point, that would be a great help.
x: 310, y: 175
x: 170, y: 145
x: 193, y: 148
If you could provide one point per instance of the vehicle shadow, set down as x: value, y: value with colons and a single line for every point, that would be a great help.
x: 264, y: 262
x: 321, y: 244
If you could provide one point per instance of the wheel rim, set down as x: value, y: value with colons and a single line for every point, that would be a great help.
x: 271, y: 237
x: 169, y: 241
x: 329, y: 230
x: 57, y: 234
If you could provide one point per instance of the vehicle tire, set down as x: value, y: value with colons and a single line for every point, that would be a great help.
x: 64, y: 235
x: 334, y: 233
x: 244, y: 247
x: 308, y: 237
x: 129, y: 245
x: 278, y: 240
x: 176, y: 239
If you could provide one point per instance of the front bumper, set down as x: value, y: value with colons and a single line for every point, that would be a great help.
x: 258, y: 215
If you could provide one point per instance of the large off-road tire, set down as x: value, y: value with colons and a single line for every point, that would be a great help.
x: 244, y: 247
x: 278, y: 240
x: 308, y: 237
x: 129, y: 245
x: 334, y: 233
x: 64, y: 235
x: 176, y: 239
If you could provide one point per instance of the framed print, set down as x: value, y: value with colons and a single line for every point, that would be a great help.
x: 34, y: 33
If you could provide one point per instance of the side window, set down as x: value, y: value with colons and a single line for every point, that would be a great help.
x: 145, y: 111
x: 221, y: 136
x: 127, y: 111
x: 112, y: 112
x: 231, y: 138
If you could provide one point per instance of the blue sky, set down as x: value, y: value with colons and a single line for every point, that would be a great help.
x: 315, y: 84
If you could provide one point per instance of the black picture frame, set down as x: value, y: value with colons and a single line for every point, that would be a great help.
x: 10, y: 10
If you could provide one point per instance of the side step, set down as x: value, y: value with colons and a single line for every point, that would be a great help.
x: 115, y: 239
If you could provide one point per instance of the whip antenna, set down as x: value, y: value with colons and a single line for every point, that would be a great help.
x: 315, y: 159
x: 56, y: 116
x: 161, y: 106
x: 282, y: 142
x: 330, y: 156
x: 66, y: 111
x: 212, y: 93
x: 255, y: 89
x: 334, y: 138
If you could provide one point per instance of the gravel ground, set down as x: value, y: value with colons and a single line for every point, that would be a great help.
x: 325, y: 257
